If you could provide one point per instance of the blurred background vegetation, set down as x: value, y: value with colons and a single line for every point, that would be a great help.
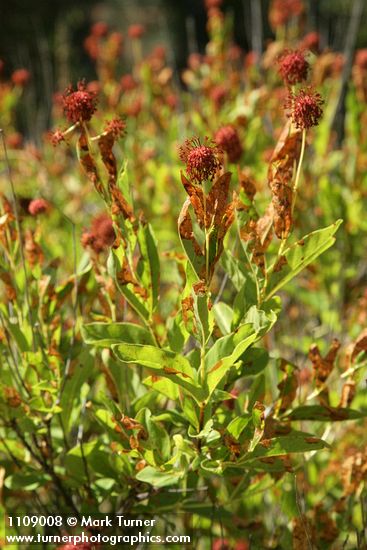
x: 45, y: 36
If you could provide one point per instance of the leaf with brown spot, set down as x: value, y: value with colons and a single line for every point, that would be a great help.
x: 280, y: 178
x: 287, y: 386
x: 323, y: 366
x: 360, y: 345
x: 105, y: 144
x: 196, y: 198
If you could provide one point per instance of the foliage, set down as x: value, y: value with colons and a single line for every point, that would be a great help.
x: 160, y: 367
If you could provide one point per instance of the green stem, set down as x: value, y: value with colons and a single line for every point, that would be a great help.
x: 298, y: 173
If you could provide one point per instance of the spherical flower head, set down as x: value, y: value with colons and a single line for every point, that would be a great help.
x: 201, y: 160
x: 21, y: 77
x: 38, y: 206
x: 79, y: 105
x: 228, y: 140
x: 281, y: 11
x: 116, y: 127
x: 218, y: 95
x: 293, y: 67
x: 136, y: 31
x: 101, y: 234
x: 305, y: 108
x: 209, y: 4
x: 311, y: 41
x: 14, y: 140
x: 361, y: 59
x: 128, y: 83
x: 99, y: 29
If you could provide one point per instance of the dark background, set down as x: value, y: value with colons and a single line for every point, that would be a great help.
x: 46, y: 36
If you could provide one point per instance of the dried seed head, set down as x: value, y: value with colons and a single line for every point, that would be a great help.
x: 201, y: 160
x: 79, y: 105
x: 293, y: 67
x: 228, y: 140
x: 305, y: 108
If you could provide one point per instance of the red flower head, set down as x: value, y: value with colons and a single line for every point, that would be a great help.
x: 281, y: 11
x: 209, y: 4
x: 101, y: 234
x: 305, y: 108
x: 94, y: 87
x: 134, y: 109
x: 136, y: 31
x: 21, y: 77
x: 128, y: 83
x: 116, y: 127
x: 361, y: 59
x: 99, y: 29
x: 311, y: 42
x: 201, y: 160
x: 79, y: 105
x: 14, y: 140
x: 91, y: 46
x: 293, y: 67
x: 2, y: 65
x: 172, y: 101
x: 38, y: 206
x: 218, y: 95
x: 221, y: 544
x: 228, y: 140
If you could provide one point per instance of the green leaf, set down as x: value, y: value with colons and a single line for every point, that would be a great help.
x: 282, y: 445
x: 148, y: 267
x: 159, y: 478
x: 301, y: 254
x: 107, y: 334
x: 238, y: 424
x: 325, y: 414
x: 223, y: 315
x: 225, y: 352
x: 26, y: 482
x: 166, y: 363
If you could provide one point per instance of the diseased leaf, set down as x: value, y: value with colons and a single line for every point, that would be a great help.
x: 280, y: 178
x: 166, y: 363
